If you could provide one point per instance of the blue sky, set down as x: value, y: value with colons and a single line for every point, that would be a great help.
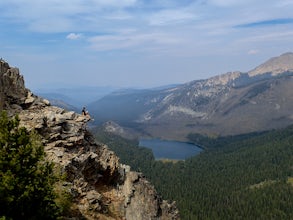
x: 140, y: 43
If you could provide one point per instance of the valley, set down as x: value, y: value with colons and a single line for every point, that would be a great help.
x: 237, y: 177
x: 243, y: 121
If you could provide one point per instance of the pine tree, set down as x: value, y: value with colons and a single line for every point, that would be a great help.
x: 26, y: 178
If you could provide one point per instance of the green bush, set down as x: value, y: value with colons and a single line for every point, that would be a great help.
x: 26, y: 178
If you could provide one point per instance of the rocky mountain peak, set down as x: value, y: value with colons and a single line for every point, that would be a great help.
x: 224, y: 79
x: 101, y: 187
x: 12, y: 90
x: 275, y: 65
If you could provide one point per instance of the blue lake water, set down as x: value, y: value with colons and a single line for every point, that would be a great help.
x: 176, y: 150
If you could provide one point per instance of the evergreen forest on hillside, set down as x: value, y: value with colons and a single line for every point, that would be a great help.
x: 238, y: 177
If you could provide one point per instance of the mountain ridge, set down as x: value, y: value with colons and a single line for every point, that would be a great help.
x: 275, y: 65
x: 227, y: 104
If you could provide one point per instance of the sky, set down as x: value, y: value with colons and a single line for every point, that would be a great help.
x: 140, y: 43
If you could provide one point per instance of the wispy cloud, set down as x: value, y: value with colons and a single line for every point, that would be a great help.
x: 164, y: 32
x: 58, y: 16
x: 167, y: 17
x: 131, y: 40
x: 118, y: 15
x: 268, y: 37
x: 273, y: 22
x: 284, y: 3
x: 227, y: 3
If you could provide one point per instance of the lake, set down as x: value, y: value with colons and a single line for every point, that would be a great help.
x: 175, y: 150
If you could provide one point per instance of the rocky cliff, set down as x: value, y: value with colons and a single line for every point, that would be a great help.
x: 102, y: 188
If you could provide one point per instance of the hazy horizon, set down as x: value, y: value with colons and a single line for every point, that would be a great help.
x: 138, y: 43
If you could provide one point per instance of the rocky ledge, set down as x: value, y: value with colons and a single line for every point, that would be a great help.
x: 102, y: 188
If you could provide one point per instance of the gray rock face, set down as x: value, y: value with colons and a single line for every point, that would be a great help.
x: 142, y: 194
x: 12, y: 90
x: 101, y: 187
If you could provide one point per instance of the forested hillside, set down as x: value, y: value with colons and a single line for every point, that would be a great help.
x: 237, y: 177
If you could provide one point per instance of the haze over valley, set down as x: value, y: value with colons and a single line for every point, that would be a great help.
x: 227, y: 104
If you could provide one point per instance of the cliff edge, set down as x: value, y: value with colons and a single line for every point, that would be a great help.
x: 101, y: 187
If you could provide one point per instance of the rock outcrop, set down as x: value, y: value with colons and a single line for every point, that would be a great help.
x: 102, y: 188
x: 12, y: 91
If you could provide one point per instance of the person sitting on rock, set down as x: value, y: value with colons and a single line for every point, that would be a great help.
x: 84, y: 111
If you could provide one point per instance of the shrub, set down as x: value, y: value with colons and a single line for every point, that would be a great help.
x: 26, y: 177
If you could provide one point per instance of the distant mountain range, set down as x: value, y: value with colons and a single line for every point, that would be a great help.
x: 76, y: 97
x: 227, y: 104
x: 60, y: 100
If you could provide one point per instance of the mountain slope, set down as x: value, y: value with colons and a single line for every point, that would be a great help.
x: 275, y: 65
x: 60, y: 100
x: 231, y: 103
